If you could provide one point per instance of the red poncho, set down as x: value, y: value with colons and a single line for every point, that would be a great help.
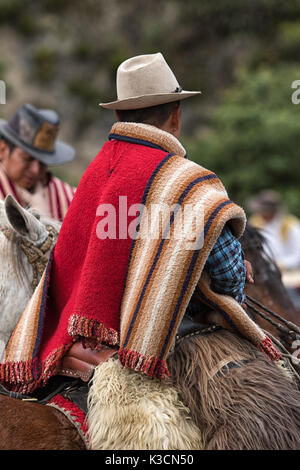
x: 120, y: 291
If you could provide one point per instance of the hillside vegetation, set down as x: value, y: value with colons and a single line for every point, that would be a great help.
x: 242, y: 55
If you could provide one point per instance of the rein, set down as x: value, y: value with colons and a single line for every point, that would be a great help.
x: 37, y: 256
x: 290, y: 330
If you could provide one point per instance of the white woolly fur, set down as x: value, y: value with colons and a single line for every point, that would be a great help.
x: 130, y: 411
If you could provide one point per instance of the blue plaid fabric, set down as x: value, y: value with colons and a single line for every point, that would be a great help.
x: 226, y: 266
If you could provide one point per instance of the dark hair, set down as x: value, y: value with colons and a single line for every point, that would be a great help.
x: 9, y: 144
x: 155, y: 115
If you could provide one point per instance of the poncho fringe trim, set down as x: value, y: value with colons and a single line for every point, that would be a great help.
x: 26, y: 376
x: 266, y: 346
x: 149, y: 365
x: 93, y: 333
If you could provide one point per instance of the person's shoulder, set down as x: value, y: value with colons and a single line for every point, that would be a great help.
x: 56, y: 181
x: 291, y: 219
x: 256, y: 220
x: 196, y: 168
x: 290, y: 222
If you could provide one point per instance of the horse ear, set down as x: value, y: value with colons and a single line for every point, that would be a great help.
x: 23, y: 222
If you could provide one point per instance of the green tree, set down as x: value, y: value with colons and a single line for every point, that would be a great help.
x: 252, y: 139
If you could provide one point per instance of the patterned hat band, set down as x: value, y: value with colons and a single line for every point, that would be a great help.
x: 35, y: 128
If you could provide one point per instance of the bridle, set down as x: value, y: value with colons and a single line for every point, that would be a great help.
x: 36, y: 255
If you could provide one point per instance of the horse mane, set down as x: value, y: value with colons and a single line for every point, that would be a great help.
x: 268, y: 287
x: 255, y: 246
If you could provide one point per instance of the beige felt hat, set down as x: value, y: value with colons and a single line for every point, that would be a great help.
x: 144, y: 81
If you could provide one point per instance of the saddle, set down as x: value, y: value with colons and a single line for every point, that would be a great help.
x: 68, y: 390
x: 80, y: 362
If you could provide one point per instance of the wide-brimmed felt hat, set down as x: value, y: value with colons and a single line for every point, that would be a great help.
x: 144, y: 81
x: 35, y: 130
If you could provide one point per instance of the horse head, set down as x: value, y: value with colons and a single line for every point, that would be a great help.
x: 24, y: 222
x: 26, y: 240
x: 268, y: 287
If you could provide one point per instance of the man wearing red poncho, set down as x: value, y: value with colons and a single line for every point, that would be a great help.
x: 109, y: 285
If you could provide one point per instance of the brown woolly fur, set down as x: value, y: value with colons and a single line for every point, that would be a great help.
x: 251, y: 407
x: 130, y: 411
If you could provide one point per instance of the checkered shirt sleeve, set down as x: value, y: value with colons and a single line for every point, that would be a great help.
x: 226, y: 266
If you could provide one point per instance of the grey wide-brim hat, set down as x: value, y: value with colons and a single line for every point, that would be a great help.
x: 144, y: 81
x: 34, y: 131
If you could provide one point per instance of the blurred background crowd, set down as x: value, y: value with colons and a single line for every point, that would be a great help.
x: 242, y: 55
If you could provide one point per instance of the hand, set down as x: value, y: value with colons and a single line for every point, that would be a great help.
x: 249, y: 272
x: 249, y: 277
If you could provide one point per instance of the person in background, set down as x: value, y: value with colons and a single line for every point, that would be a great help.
x: 28, y: 146
x: 281, y: 229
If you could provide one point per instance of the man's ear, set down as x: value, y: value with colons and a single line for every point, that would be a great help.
x: 118, y: 115
x: 4, y: 150
x: 176, y: 121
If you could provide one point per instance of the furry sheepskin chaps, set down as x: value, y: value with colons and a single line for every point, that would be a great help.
x: 129, y: 411
x: 252, y: 407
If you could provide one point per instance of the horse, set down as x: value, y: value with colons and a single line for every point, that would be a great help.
x: 268, y: 290
x: 223, y: 393
x: 26, y: 239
